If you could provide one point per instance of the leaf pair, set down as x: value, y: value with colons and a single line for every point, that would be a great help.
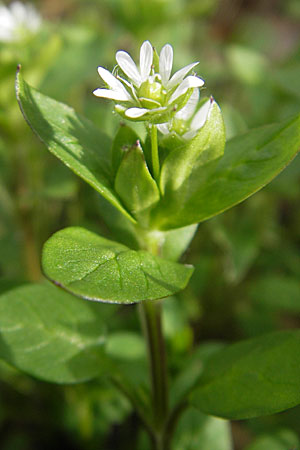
x: 193, y: 190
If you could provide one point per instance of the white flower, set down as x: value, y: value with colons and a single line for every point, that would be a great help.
x: 186, y: 123
x: 17, y: 19
x: 148, y: 92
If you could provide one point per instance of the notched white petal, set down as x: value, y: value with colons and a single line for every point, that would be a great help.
x: 114, y: 84
x: 146, y: 59
x: 113, y: 95
x: 129, y: 67
x: 166, y: 63
x: 180, y: 74
x: 187, y: 83
x: 109, y: 79
x: 202, y: 115
x: 134, y: 113
x: 189, y: 108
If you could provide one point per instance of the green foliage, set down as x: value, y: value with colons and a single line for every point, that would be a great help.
x: 246, y: 282
x: 135, y: 185
x: 206, y: 146
x: 251, y: 378
x: 98, y: 269
x: 196, y: 430
x: 52, y: 335
x: 124, y: 140
x: 71, y: 138
x: 197, y: 193
x: 250, y: 161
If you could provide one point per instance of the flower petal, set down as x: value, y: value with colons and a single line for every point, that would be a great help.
x: 180, y: 74
x: 165, y: 63
x: 19, y: 12
x: 128, y: 66
x: 6, y: 17
x: 134, y: 113
x: 146, y: 59
x: 113, y: 83
x: 202, y: 115
x: 187, y: 83
x: 189, y: 135
x: 109, y: 79
x: 189, y: 108
x: 163, y: 128
x: 113, y: 95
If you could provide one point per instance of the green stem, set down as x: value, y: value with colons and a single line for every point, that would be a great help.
x: 157, y: 358
x: 154, y: 151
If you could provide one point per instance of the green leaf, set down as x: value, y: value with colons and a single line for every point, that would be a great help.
x: 99, y: 269
x: 253, y: 378
x: 197, y: 431
x: 124, y: 140
x: 51, y: 334
x: 71, y: 138
x: 250, y: 161
x: 206, y: 146
x: 135, y: 185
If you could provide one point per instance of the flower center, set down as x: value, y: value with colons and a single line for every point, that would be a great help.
x: 152, y: 90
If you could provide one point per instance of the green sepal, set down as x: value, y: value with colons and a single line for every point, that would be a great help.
x: 124, y: 139
x: 135, y: 185
x: 206, y: 146
x: 94, y: 268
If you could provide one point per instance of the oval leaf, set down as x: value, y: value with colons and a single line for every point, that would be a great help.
x: 250, y: 161
x: 102, y: 270
x: 51, y: 334
x: 253, y: 378
x: 70, y: 137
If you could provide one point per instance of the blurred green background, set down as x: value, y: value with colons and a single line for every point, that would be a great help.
x: 247, y: 277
